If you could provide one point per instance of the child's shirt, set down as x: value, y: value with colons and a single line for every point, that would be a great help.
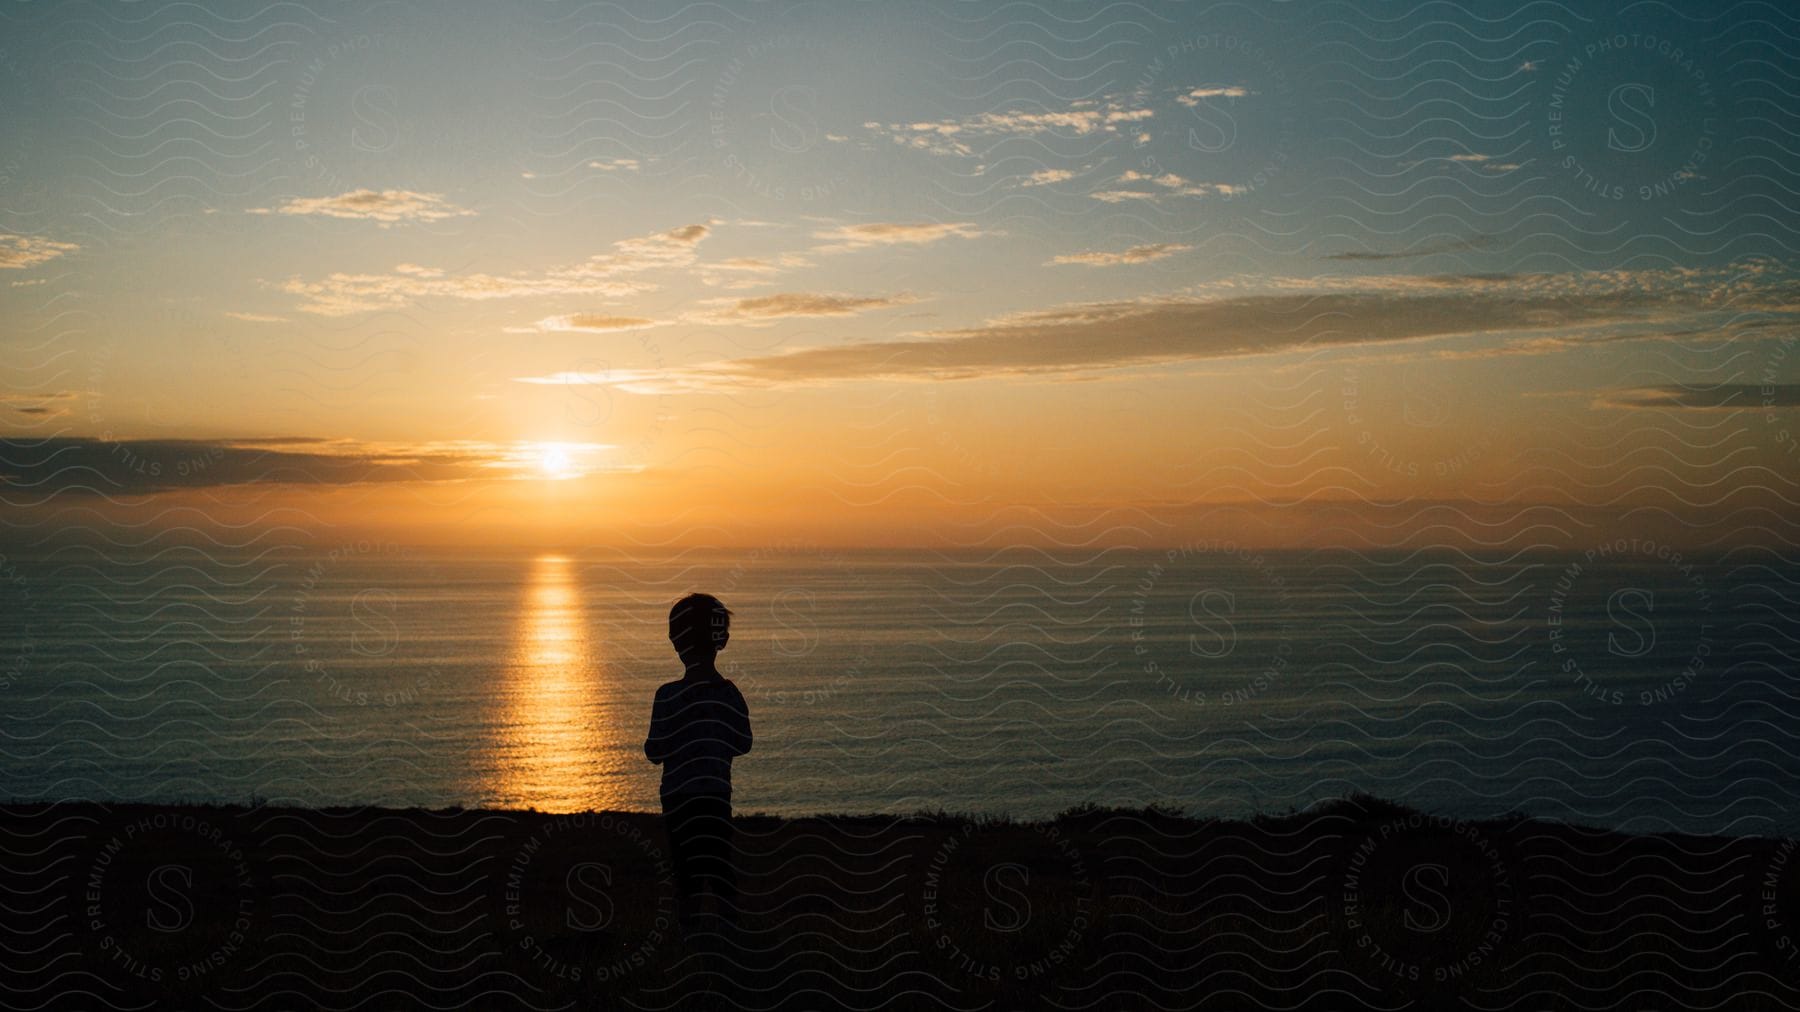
x: 696, y: 726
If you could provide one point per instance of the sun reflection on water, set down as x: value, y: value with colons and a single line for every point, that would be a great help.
x: 558, y: 747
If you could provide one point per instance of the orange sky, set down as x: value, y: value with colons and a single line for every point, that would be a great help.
x: 823, y: 298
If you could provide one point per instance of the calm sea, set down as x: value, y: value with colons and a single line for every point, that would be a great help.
x: 1629, y: 688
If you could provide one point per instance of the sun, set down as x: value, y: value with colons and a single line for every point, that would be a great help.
x: 556, y: 461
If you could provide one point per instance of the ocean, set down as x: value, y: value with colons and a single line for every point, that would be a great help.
x: 1624, y: 686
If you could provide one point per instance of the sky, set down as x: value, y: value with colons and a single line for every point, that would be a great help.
x: 900, y: 273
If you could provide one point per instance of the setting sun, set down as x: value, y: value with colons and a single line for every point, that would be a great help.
x: 555, y: 462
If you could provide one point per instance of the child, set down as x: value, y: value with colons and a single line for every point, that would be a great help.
x: 697, y: 724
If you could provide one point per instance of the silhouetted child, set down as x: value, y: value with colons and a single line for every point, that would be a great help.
x: 697, y: 724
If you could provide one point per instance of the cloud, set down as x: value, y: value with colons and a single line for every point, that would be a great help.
x: 950, y: 137
x: 887, y: 233
x: 761, y: 310
x: 1288, y: 315
x: 1120, y: 196
x: 1044, y: 177
x: 749, y: 272
x: 255, y: 317
x: 1195, y: 96
x: 84, y: 465
x: 614, y: 164
x: 47, y: 405
x: 1134, y: 255
x: 1484, y: 162
x: 749, y: 265
x: 387, y: 207
x: 1722, y: 397
x: 568, y: 379
x: 590, y: 323
x: 764, y: 308
x: 136, y: 466
x: 18, y: 252
x: 604, y: 274
x: 1171, y: 185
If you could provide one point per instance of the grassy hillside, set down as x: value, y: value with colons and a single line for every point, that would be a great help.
x: 1357, y: 903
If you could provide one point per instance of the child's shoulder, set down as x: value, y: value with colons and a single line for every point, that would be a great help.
x: 680, y: 685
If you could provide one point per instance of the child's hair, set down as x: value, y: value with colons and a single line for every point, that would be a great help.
x: 699, y: 621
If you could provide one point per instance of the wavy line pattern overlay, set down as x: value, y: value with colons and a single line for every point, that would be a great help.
x: 1509, y: 724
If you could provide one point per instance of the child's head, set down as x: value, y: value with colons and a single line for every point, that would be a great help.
x: 699, y: 626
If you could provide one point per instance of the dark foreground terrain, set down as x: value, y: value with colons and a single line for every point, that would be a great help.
x: 1353, y: 904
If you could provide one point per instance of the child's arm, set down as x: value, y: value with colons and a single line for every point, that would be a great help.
x: 658, y: 745
x: 737, y: 725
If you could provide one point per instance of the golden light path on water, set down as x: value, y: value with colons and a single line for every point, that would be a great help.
x: 559, y: 749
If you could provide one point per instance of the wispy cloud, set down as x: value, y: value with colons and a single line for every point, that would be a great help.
x: 888, y: 233
x: 1135, y: 255
x: 767, y: 308
x: 1289, y: 315
x: 606, y: 274
x: 750, y: 272
x: 18, y: 252
x: 1166, y: 184
x: 1194, y: 96
x: 84, y: 465
x: 760, y: 265
x: 1719, y: 397
x: 569, y: 379
x: 615, y: 164
x: 1475, y: 159
x: 46, y: 405
x: 386, y: 207
x: 589, y: 323
x: 255, y: 317
x: 952, y: 136
x: 1044, y: 177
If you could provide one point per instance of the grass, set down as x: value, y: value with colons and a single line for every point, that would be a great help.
x: 1356, y: 902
